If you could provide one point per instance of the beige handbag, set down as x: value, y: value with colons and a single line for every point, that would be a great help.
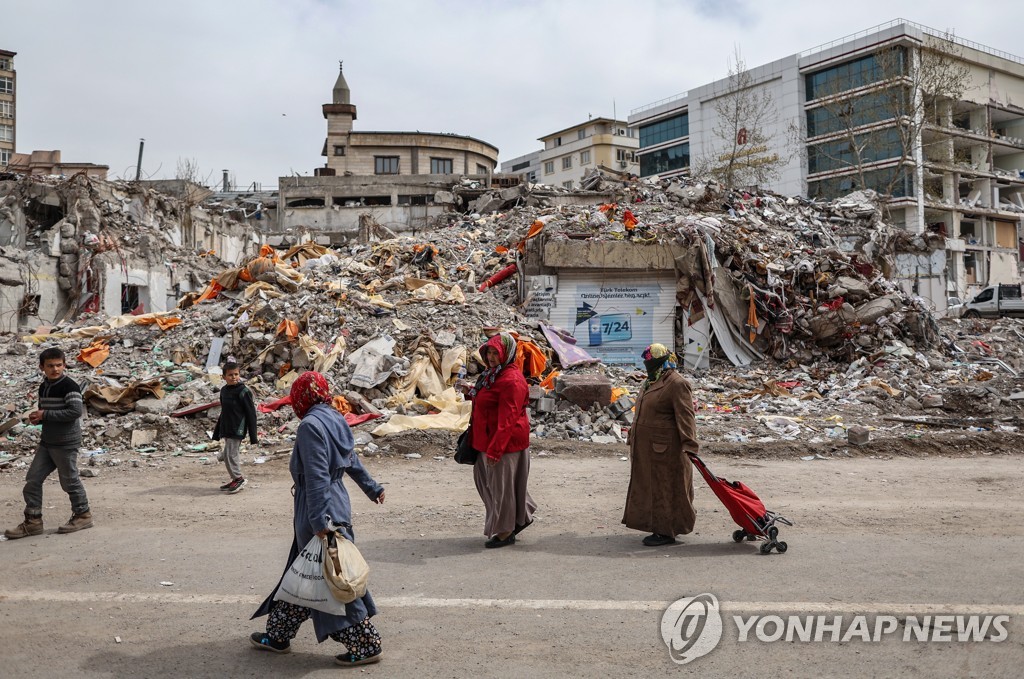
x: 345, y: 570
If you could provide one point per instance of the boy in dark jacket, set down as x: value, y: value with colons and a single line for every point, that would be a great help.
x: 60, y: 411
x: 237, y: 417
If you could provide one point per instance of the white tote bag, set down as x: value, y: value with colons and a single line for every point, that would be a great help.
x: 303, y: 583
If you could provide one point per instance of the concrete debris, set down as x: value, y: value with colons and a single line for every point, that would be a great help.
x: 789, y: 322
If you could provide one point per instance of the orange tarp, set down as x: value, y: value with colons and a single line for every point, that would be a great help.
x: 211, y: 291
x: 630, y: 220
x: 530, y: 359
x: 163, y: 322
x: 549, y: 381
x: 341, y: 404
x: 95, y: 353
x: 289, y: 328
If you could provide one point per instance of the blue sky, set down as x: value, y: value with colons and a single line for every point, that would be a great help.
x: 238, y: 85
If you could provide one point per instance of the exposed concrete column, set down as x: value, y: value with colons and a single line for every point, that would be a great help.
x: 918, y: 224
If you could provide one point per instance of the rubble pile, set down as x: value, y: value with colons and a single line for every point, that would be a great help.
x: 814, y: 339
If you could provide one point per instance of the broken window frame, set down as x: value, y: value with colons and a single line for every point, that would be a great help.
x: 385, y: 165
x: 441, y: 165
x: 130, y: 293
x: 305, y: 202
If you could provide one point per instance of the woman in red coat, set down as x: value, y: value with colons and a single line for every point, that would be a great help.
x: 501, y: 432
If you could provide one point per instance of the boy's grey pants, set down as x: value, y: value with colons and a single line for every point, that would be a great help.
x: 233, y: 457
x: 46, y: 460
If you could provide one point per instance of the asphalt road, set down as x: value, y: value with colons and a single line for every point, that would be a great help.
x: 578, y: 596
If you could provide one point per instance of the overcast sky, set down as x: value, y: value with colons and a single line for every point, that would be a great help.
x: 239, y: 85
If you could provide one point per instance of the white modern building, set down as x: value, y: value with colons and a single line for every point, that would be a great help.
x: 871, y: 110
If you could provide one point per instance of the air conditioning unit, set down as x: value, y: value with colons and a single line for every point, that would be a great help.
x: 623, y: 164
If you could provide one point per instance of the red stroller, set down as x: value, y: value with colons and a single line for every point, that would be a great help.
x: 747, y: 510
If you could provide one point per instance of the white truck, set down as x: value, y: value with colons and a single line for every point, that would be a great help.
x: 995, y: 301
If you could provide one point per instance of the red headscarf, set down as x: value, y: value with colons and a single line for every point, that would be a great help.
x: 311, y: 388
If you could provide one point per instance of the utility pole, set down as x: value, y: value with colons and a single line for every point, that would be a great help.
x: 138, y: 167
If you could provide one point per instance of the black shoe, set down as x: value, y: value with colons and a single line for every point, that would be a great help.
x: 352, y: 660
x: 496, y: 542
x: 657, y: 540
x: 227, y: 486
x: 520, y: 529
x: 262, y: 641
x: 235, y: 486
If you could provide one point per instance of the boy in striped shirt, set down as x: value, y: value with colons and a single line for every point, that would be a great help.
x: 60, y: 412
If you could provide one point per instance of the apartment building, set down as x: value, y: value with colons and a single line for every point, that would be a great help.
x: 526, y: 166
x: 933, y: 122
x: 597, y: 143
x: 8, y: 106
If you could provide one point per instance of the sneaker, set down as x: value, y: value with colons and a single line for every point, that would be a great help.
x: 262, y: 641
x: 227, y: 486
x: 353, y: 660
x: 236, y: 485
x: 76, y: 523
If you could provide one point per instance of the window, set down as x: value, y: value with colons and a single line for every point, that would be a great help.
x: 339, y: 150
x: 129, y: 298
x: 440, y: 166
x: 675, y: 127
x: 623, y: 155
x: 567, y: 185
x: 6, y: 85
x: 306, y: 202
x: 558, y: 141
x: 839, y: 154
x: 5, y: 64
x: 856, y: 111
x: 856, y: 73
x: 481, y: 169
x: 549, y: 167
x: 385, y: 164
x: 5, y: 157
x: 520, y: 166
x: 582, y: 134
x: 567, y: 163
x: 983, y: 296
x: 665, y: 160
x: 877, y: 180
x: 584, y: 157
x: 6, y: 109
x: 6, y: 133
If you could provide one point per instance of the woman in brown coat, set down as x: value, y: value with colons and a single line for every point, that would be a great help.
x: 660, y: 496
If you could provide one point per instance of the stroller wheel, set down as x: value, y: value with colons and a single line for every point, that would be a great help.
x: 773, y: 532
x: 782, y: 547
x: 738, y: 535
x: 766, y: 548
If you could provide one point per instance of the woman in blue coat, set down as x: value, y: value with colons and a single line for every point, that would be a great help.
x: 323, y: 454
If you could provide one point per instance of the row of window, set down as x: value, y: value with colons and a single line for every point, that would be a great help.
x: 876, y: 180
x: 5, y: 64
x: 389, y: 165
x: 6, y: 109
x: 856, y: 73
x: 582, y: 134
x: 665, y: 160
x: 841, y: 153
x: 6, y: 132
x: 621, y: 155
x: 856, y: 111
x: 675, y: 127
x: 6, y: 85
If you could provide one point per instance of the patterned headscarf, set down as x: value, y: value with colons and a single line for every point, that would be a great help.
x: 506, y: 346
x: 311, y: 388
x: 657, y: 359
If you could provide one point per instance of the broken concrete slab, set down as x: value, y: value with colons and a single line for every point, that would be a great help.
x: 584, y: 390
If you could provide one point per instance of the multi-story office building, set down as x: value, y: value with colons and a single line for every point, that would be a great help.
x: 527, y: 166
x: 8, y: 108
x: 932, y: 121
x: 597, y: 143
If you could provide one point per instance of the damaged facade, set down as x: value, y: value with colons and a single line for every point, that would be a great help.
x: 963, y: 178
x: 79, y: 245
x: 8, y: 106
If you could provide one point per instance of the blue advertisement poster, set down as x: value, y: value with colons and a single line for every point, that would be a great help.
x: 615, y: 322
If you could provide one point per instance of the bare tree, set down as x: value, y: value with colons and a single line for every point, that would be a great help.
x: 742, y: 152
x: 882, y: 113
